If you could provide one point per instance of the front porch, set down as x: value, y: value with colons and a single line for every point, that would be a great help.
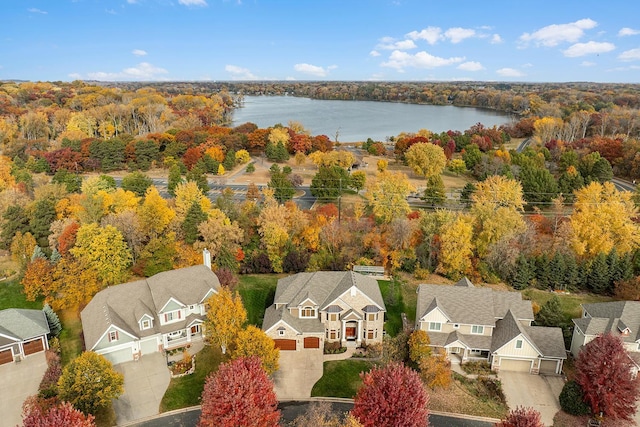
x: 460, y: 354
x: 183, y: 337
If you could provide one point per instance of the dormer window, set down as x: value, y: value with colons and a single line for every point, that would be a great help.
x: 307, y: 312
x: 146, y: 324
x: 113, y: 336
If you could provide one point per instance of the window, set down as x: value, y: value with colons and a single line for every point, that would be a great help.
x: 281, y: 333
x: 518, y: 344
x: 370, y: 334
x: 333, y: 335
x: 334, y: 316
x: 113, y: 336
x: 435, y: 326
x: 192, y: 307
x: 477, y: 329
x: 308, y: 312
x: 456, y: 326
x: 146, y: 324
x: 371, y: 316
x: 171, y: 316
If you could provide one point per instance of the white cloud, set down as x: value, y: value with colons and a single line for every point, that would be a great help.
x: 552, y: 35
x: 374, y: 53
x: 143, y: 71
x: 312, y: 70
x: 587, y: 64
x: 401, y: 60
x: 34, y: 10
x: 430, y: 34
x: 510, y: 72
x: 193, y: 2
x: 139, y: 52
x: 630, y: 55
x: 589, y: 48
x: 628, y: 32
x: 239, y: 73
x: 457, y: 34
x: 495, y: 39
x: 470, y: 66
x: 387, y: 43
x: 75, y: 76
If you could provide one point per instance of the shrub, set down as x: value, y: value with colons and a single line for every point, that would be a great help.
x: 492, y: 388
x: 572, y: 400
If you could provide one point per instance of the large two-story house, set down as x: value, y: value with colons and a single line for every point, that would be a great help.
x: 162, y: 312
x: 620, y: 318
x: 326, y: 306
x: 474, y: 323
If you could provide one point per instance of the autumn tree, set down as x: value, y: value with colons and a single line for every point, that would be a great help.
x: 603, y: 219
x: 37, y: 279
x: 89, y: 383
x: 321, y: 414
x: 104, y: 249
x: 387, y: 196
x: 426, y: 159
x: 419, y: 345
x: 239, y: 394
x: 225, y: 318
x: 391, y: 396
x: 604, y: 372
x: 72, y: 283
x: 35, y: 414
x: 252, y: 341
x: 456, y: 246
x: 522, y: 417
x: 136, y: 182
x: 435, y: 371
x: 154, y: 213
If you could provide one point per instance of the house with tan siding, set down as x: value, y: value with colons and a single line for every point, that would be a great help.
x: 310, y: 309
x: 474, y: 323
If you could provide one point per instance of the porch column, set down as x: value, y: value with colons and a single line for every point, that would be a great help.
x: 343, y: 332
x: 359, y: 333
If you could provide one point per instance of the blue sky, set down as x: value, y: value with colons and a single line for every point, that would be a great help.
x: 492, y: 40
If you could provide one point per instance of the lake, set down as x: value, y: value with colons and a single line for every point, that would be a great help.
x: 358, y: 120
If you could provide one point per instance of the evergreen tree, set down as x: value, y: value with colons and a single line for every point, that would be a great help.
x: 524, y: 273
x: 572, y: 278
x: 38, y: 253
x: 44, y: 213
x: 55, y: 326
x: 620, y: 267
x: 210, y: 165
x: 557, y: 271
x: 195, y: 216
x: 550, y: 313
x: 197, y: 175
x: 15, y: 219
x: 467, y: 191
x: 538, y: 184
x: 175, y: 179
x: 543, y: 271
x: 283, y: 189
x: 146, y: 153
x: 598, y: 275
x: 136, y: 182
x: 229, y: 159
x: 250, y: 168
x: 55, y: 256
x: 71, y: 181
x: 434, y: 193
x: 329, y: 183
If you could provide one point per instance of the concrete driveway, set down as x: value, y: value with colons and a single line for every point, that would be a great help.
x: 145, y: 382
x: 19, y: 381
x: 299, y: 371
x: 537, y: 391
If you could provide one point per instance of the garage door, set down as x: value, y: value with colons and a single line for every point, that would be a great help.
x: 515, y: 365
x: 149, y: 346
x: 285, y: 344
x: 6, y: 356
x: 120, y: 356
x: 33, y: 347
x: 312, y: 342
x: 548, y: 367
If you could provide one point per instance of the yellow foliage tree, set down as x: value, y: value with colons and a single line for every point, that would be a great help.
x: 154, y: 213
x: 382, y: 165
x: 419, y: 346
x: 387, y: 195
x: 37, y: 280
x: 252, y: 341
x: 603, y: 219
x: 456, y: 247
x: 225, y: 318
x: 242, y: 157
x: 215, y: 152
x: 188, y: 193
x: 6, y: 179
x: 72, y: 284
x: 22, y: 246
x: 436, y: 370
x: 279, y: 135
x: 221, y: 170
x: 426, y: 159
x: 218, y: 232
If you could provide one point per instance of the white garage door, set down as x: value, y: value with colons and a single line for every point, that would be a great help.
x: 548, y: 367
x: 515, y: 365
x: 119, y: 356
x: 149, y: 346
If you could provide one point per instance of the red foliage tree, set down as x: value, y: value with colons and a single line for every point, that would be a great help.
x: 67, y: 238
x: 321, y: 143
x: 300, y: 143
x: 239, y: 394
x: 64, y: 158
x: 522, y: 417
x: 191, y: 157
x: 603, y: 370
x: 36, y: 414
x: 392, y: 396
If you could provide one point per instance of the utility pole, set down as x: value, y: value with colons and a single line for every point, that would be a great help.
x: 340, y: 202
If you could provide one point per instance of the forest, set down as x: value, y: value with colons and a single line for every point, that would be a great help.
x: 77, y: 199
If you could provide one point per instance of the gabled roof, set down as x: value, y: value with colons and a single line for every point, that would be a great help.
x: 472, y: 305
x: 612, y: 317
x: 325, y: 287
x: 549, y: 341
x: 506, y: 330
x: 21, y: 324
x: 123, y: 305
x: 272, y: 316
x: 464, y: 282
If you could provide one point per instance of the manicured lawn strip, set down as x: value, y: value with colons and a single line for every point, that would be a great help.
x: 341, y: 378
x: 186, y: 391
x: 569, y: 303
x: 71, y: 336
x: 394, y: 302
x: 11, y: 296
x: 257, y: 292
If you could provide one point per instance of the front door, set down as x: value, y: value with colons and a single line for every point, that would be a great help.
x: 350, y: 331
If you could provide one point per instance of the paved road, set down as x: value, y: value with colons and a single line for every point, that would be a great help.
x: 290, y: 410
x: 624, y: 185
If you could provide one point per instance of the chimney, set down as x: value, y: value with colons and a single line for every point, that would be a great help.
x: 206, y: 258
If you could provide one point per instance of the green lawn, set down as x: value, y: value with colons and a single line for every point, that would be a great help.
x: 71, y: 344
x: 569, y: 303
x: 398, y: 298
x: 257, y: 292
x: 341, y: 378
x: 11, y: 296
x: 186, y: 391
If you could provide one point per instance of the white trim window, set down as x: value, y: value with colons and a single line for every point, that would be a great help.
x: 456, y: 326
x: 172, y: 316
x: 281, y: 332
x: 307, y: 312
x: 113, y: 336
x: 146, y: 324
x: 519, y: 344
x: 372, y: 316
x: 477, y: 329
x: 435, y: 326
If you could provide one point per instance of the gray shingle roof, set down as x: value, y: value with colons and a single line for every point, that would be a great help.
x: 627, y: 312
x: 507, y: 329
x: 471, y: 305
x: 22, y: 324
x: 273, y: 316
x: 123, y: 305
x: 549, y: 341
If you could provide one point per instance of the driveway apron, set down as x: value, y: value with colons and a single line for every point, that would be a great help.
x: 299, y: 371
x: 19, y: 381
x: 537, y: 391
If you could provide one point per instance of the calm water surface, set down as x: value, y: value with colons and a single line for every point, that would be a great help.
x: 359, y: 120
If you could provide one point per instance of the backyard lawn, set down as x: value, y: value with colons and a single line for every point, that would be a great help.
x: 398, y: 298
x: 569, y: 303
x: 257, y: 292
x: 341, y: 378
x: 11, y: 296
